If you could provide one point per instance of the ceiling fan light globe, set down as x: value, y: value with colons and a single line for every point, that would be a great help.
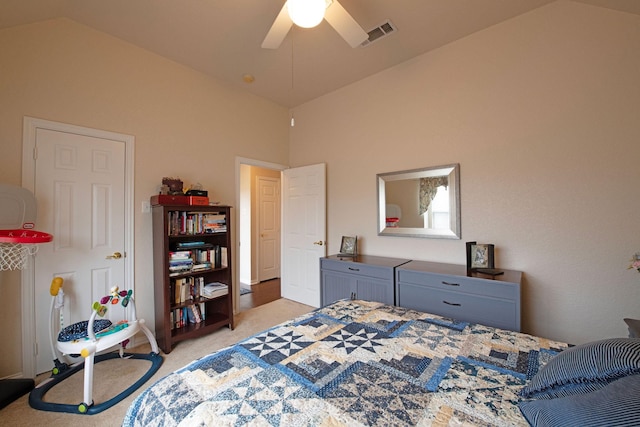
x: 306, y: 13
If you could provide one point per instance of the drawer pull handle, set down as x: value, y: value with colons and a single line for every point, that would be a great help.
x: 455, y: 304
x: 354, y: 269
x: 450, y: 284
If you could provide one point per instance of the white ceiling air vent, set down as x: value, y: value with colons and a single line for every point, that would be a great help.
x: 381, y: 31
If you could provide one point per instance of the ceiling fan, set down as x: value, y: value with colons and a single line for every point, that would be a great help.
x: 334, y: 14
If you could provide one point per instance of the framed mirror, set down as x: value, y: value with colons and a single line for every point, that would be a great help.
x: 420, y: 202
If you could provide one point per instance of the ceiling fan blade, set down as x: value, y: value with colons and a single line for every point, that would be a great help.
x: 278, y: 30
x: 338, y: 17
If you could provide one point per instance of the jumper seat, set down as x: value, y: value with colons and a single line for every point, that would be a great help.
x: 87, y: 338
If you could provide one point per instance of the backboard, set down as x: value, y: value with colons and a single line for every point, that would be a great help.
x: 18, y: 208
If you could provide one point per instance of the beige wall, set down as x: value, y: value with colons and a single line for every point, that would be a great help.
x: 542, y: 113
x: 10, y: 360
x: 185, y: 124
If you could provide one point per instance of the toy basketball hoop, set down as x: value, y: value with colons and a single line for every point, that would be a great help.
x: 16, y: 246
x: 18, y: 239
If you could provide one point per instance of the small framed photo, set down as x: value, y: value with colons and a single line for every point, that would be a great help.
x: 479, y: 255
x: 349, y: 246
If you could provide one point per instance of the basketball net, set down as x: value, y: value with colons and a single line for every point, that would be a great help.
x: 14, y: 256
x: 16, y: 246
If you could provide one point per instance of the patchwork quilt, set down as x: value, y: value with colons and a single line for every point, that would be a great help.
x: 353, y: 363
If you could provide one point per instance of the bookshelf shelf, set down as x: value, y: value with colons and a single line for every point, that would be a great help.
x: 197, y: 300
x: 191, y: 248
x: 194, y: 330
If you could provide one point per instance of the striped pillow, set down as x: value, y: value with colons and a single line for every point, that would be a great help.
x: 617, y: 404
x: 585, y: 368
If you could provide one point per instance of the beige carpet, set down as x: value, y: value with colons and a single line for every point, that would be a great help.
x: 113, y: 376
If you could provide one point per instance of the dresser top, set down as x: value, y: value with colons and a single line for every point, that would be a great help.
x: 460, y: 270
x: 370, y: 260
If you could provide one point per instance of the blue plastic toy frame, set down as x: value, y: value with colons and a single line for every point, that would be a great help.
x: 36, y: 396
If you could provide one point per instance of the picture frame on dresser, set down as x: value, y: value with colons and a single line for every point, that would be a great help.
x: 349, y: 246
x: 480, y: 256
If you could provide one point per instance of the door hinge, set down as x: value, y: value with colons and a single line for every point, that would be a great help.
x: 35, y: 153
x: 35, y: 349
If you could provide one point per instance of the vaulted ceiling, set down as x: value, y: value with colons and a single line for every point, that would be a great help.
x: 222, y: 38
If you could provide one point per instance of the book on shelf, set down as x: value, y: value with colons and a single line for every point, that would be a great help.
x: 177, y: 273
x: 190, y: 316
x: 224, y: 260
x: 181, y: 317
x: 215, y: 289
x: 178, y: 255
x: 176, y: 291
x: 202, y: 255
x: 213, y: 228
x: 193, y: 313
x: 186, y: 289
x: 178, y: 270
x: 202, y: 266
x: 180, y: 265
x: 189, y: 244
x: 218, y: 256
x: 190, y: 223
x: 215, y: 223
x: 179, y: 262
x: 199, y: 285
x: 180, y: 291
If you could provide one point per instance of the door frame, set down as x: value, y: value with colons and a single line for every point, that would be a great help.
x: 236, y: 273
x: 30, y: 127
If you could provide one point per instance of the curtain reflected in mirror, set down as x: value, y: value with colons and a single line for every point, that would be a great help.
x: 420, y: 202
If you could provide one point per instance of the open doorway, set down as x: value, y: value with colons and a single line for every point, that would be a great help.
x: 259, y: 234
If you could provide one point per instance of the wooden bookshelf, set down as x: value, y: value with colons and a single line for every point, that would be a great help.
x: 191, y: 245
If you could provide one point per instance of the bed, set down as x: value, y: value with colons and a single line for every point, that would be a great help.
x: 358, y: 363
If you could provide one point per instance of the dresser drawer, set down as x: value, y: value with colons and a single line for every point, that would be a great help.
x: 497, y: 312
x: 468, y: 285
x: 343, y: 266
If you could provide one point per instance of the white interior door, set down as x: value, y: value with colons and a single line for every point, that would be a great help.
x: 304, y: 232
x: 80, y: 184
x: 268, y: 228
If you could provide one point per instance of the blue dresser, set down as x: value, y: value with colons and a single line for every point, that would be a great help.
x: 446, y: 290
x: 364, y: 277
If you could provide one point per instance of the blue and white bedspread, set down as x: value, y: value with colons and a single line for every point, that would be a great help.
x: 353, y: 363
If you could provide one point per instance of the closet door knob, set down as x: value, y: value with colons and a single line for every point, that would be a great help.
x: 115, y: 255
x: 319, y: 243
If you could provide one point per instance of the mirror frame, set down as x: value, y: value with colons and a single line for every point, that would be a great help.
x: 453, y: 171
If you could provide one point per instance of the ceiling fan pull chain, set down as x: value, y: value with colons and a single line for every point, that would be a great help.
x: 293, y: 120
